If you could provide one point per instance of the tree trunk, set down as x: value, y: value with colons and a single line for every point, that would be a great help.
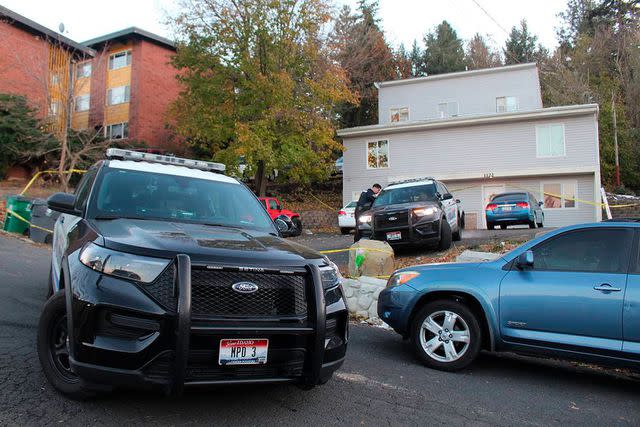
x: 261, y: 179
x: 63, y: 161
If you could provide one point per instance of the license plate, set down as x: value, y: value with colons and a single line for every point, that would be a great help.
x: 394, y: 235
x: 243, y: 352
x: 506, y: 208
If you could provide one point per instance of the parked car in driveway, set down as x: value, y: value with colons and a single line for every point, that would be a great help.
x: 166, y: 274
x: 418, y: 211
x: 513, y: 209
x: 571, y: 293
x: 275, y: 209
x: 347, y: 217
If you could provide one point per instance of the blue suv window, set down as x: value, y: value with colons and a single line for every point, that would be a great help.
x: 602, y: 250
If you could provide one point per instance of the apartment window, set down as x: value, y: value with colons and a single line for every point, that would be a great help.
x: 83, y: 103
x: 550, y: 140
x: 120, y: 60
x: 55, y: 79
x: 54, y: 108
x: 506, y: 104
x: 117, y: 131
x: 83, y: 70
x: 377, y: 154
x: 118, y: 95
x: 559, y: 195
x: 448, y: 109
x: 399, y: 114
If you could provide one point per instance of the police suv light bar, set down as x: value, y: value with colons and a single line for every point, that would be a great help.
x: 118, y: 153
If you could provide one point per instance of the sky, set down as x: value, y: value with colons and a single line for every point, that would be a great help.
x: 402, y: 20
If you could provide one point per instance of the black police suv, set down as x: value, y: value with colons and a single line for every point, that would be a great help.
x: 419, y: 211
x: 167, y: 274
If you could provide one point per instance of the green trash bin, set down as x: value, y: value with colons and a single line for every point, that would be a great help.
x: 22, y: 206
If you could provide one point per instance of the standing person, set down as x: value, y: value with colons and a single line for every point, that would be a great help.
x: 364, y: 204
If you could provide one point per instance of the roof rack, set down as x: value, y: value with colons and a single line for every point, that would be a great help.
x: 406, y: 181
x: 118, y: 153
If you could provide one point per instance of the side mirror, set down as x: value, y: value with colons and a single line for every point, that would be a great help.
x: 63, y: 203
x: 447, y: 196
x: 278, y: 207
x: 541, y: 204
x: 458, y: 201
x: 525, y: 260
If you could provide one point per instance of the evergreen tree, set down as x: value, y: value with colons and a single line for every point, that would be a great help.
x: 443, y: 51
x: 520, y: 47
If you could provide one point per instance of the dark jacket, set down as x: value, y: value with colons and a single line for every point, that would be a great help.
x: 365, y: 201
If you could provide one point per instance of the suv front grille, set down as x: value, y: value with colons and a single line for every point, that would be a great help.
x: 387, y: 220
x: 278, y: 295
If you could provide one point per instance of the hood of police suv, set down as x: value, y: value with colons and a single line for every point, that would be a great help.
x: 203, y: 243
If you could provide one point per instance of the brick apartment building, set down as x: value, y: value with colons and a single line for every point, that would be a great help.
x: 131, y: 86
x: 35, y: 62
x: 120, y: 84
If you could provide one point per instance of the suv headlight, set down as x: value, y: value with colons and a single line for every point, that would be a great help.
x: 120, y: 264
x: 364, y: 219
x: 401, y: 277
x: 426, y: 212
x: 331, y: 276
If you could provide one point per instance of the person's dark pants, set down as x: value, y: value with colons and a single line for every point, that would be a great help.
x: 356, y: 233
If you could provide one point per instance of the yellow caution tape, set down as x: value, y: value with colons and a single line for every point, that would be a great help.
x: 322, y: 203
x: 335, y: 251
x: 586, y: 202
x: 28, y: 222
x: 37, y: 175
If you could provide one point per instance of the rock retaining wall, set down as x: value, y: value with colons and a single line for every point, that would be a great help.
x: 319, y: 218
x: 362, y: 296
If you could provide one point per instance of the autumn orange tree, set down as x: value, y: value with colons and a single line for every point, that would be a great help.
x: 259, y: 84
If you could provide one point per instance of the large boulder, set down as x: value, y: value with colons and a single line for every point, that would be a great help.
x: 371, y: 258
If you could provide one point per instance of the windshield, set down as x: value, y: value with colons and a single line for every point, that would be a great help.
x: 510, y: 197
x: 411, y: 194
x: 145, y: 195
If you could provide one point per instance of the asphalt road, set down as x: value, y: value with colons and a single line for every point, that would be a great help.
x: 380, y: 383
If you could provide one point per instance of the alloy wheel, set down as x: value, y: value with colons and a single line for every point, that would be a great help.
x: 444, y: 336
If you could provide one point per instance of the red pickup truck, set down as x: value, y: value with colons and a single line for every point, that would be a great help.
x: 274, y: 207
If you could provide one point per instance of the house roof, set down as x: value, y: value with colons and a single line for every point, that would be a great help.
x: 35, y: 28
x: 128, y: 33
x: 419, y: 125
x: 456, y: 75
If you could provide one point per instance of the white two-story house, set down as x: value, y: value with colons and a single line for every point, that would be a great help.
x: 481, y: 132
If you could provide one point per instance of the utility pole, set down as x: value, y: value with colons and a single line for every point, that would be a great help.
x: 615, y: 137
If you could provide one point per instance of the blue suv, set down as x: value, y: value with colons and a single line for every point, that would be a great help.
x: 572, y: 293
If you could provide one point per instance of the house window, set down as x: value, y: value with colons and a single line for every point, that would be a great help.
x: 399, y: 114
x: 448, y: 109
x: 120, y: 60
x: 54, y: 108
x: 117, y: 131
x: 118, y: 95
x: 83, y: 70
x: 55, y: 79
x: 83, y: 103
x: 506, y: 104
x: 377, y: 154
x: 559, y: 195
x: 550, y: 140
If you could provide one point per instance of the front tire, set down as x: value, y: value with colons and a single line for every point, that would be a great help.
x: 446, y: 335
x: 445, y: 235
x: 344, y: 231
x: 53, y: 349
x: 457, y: 235
x: 297, y: 222
x: 541, y: 223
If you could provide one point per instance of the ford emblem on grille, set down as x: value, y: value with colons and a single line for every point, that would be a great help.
x: 245, y: 287
x: 392, y: 218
